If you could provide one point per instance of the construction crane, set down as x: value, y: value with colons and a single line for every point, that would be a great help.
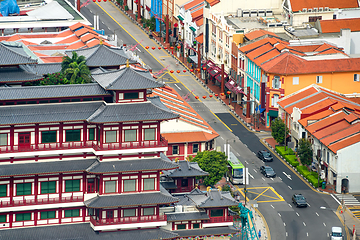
x: 248, y: 231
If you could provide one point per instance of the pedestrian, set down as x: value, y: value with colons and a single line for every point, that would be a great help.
x: 343, y: 189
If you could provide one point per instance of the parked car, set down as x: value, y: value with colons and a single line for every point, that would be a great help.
x: 336, y: 233
x: 265, y: 156
x: 299, y: 200
x: 267, y: 171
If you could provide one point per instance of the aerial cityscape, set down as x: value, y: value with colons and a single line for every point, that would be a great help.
x: 179, y: 119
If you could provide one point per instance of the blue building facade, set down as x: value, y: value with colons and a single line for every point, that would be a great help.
x: 156, y: 9
x: 253, y: 79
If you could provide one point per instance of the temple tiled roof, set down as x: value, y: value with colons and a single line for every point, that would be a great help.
x: 186, y: 216
x: 102, y: 55
x: 186, y: 169
x: 206, y: 232
x: 13, y: 55
x: 126, y: 78
x: 52, y: 91
x: 212, y: 198
x: 130, y: 200
x: 133, y: 165
x: 45, y: 167
x: 14, y: 74
x: 44, y: 68
x: 82, y: 231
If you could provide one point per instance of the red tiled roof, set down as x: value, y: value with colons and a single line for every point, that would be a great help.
x: 78, y: 25
x: 262, y: 58
x: 298, y: 5
x: 92, y: 43
x: 76, y: 45
x: 259, y: 51
x: 51, y: 59
x: 65, y: 33
x: 200, y: 38
x: 306, y: 48
x: 314, y: 117
x: 70, y: 39
x: 88, y: 37
x: 335, y: 25
x: 193, y: 3
x: 197, y: 14
x: 346, y: 142
x: 199, y: 22
x: 258, y: 33
x: 331, y: 51
x: 258, y: 43
x: 213, y: 2
x: 183, y: 137
x: 287, y: 64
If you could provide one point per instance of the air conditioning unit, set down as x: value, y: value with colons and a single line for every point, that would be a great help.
x: 315, y: 9
x: 310, y: 10
x: 304, y: 10
x: 327, y: 9
x: 321, y: 9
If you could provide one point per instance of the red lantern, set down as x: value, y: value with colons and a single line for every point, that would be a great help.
x: 204, y: 97
x: 147, y: 47
x: 222, y: 94
x: 198, y: 69
x: 191, y: 70
x: 172, y: 71
x: 216, y: 94
x: 171, y: 48
x: 159, y: 48
x: 165, y: 48
x: 99, y: 0
x: 184, y: 70
x: 228, y: 92
x: 204, y: 68
x: 161, y: 172
x: 153, y: 48
x: 104, y: 0
x: 178, y: 46
x: 210, y: 96
x: 94, y: 0
x: 178, y: 71
x: 176, y: 25
x: 196, y: 97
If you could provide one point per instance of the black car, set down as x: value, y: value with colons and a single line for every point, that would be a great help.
x: 267, y: 171
x: 265, y: 156
x: 299, y: 200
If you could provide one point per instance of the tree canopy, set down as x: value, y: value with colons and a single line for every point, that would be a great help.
x: 278, y: 130
x: 305, y: 151
x: 67, y: 61
x: 212, y: 162
x: 78, y: 73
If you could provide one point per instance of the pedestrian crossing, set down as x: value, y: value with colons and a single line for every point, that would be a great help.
x: 355, y: 211
x: 348, y: 199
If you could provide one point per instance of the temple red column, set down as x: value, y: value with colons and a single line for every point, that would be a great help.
x: 222, y: 78
x: 139, y: 11
x: 77, y: 4
x: 167, y: 28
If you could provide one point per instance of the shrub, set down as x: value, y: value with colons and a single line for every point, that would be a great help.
x: 313, y: 180
x: 282, y: 152
x: 303, y: 170
x: 292, y: 159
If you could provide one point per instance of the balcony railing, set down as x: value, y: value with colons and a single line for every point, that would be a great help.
x: 127, y: 220
x: 219, y: 219
x: 41, y: 201
x: 78, y: 145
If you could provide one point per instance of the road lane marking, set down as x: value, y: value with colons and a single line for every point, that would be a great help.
x: 284, y: 224
x: 332, y: 195
x: 263, y: 178
x: 280, y: 178
x: 289, y: 205
x: 304, y: 224
x: 289, y: 187
x: 279, y: 214
x: 251, y: 176
x: 297, y: 214
x: 317, y: 214
x: 287, y: 175
x: 307, y: 234
x: 177, y: 86
x: 272, y: 206
x: 324, y: 224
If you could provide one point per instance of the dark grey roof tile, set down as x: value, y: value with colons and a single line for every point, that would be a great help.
x: 207, y: 232
x: 168, y: 185
x: 186, y: 216
x: 187, y: 169
x: 213, y: 198
x: 13, y: 55
x: 14, y: 74
x: 44, y: 68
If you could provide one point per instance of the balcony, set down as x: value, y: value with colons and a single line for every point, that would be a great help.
x: 219, y: 219
x: 41, y: 201
x: 46, y: 147
x: 130, y: 145
x: 128, y: 220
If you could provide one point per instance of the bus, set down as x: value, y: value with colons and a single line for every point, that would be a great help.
x: 236, y: 170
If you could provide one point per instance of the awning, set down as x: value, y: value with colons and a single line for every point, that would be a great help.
x: 214, y: 71
x: 238, y: 89
x: 230, y: 84
x: 147, y: 8
x: 193, y: 29
x: 194, y: 58
x: 273, y: 113
x: 218, y: 77
x: 180, y: 17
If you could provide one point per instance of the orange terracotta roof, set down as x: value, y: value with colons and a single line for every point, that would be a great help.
x: 88, y: 37
x: 331, y: 51
x: 288, y: 64
x: 266, y: 56
x: 84, y: 31
x: 259, y: 43
x: 70, y: 39
x: 329, y: 130
x: 199, y: 22
x: 213, y: 2
x: 65, y: 33
x: 294, y: 98
x: 92, y: 43
x: 76, y: 45
x: 345, y: 132
x: 259, y: 51
x: 329, y: 121
x: 314, y: 117
x: 51, y: 59
x: 200, y: 38
x: 78, y: 25
x: 193, y: 4
x: 335, y: 25
x: 343, y: 143
x: 45, y: 47
x: 306, y: 48
x: 183, y: 137
x: 298, y: 5
x: 258, y: 33
x: 197, y: 14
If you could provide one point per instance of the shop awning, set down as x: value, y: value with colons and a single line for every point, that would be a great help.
x: 214, y: 71
x: 230, y: 84
x: 238, y: 89
x: 180, y: 17
x: 193, y: 29
x: 273, y: 113
x: 194, y: 58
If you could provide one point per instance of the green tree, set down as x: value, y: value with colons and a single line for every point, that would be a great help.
x: 67, y: 61
x: 78, y: 73
x: 278, y: 130
x: 212, y: 162
x: 305, y: 151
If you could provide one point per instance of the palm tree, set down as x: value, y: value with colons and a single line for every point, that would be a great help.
x: 78, y: 73
x: 67, y: 61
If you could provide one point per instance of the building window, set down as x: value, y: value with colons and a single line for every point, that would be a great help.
x: 196, y: 225
x: 48, y: 136
x: 110, y: 136
x: 149, y: 184
x: 318, y: 79
x: 131, y: 95
x: 276, y: 82
x: 47, y: 215
x: 184, y: 182
x: 3, y: 190
x: 129, y: 212
x: 129, y: 185
x: 314, y: 18
x: 149, y: 211
x: 23, y: 189
x: 48, y: 187
x: 216, y: 212
x: 149, y: 134
x: 130, y: 135
x: 92, y: 134
x: 181, y: 226
x: 195, y: 147
x: 73, y: 135
x: 2, y: 218
x: 72, y: 213
x: 275, y: 100
x: 110, y: 186
x: 175, y: 149
x: 72, y: 185
x: 295, y: 80
x: 356, y: 77
x: 22, y: 217
x: 3, y: 139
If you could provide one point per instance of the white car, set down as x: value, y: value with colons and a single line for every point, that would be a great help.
x: 336, y: 233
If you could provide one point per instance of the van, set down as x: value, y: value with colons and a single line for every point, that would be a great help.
x: 336, y: 233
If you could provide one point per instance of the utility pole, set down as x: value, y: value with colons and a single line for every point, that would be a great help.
x: 222, y: 77
x: 245, y: 175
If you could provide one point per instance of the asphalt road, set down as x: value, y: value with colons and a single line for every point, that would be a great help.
x: 285, y: 221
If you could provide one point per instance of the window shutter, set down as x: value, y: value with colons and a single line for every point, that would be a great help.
x: 272, y: 101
